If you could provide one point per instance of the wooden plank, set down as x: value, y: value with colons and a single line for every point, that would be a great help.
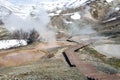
x: 86, y: 69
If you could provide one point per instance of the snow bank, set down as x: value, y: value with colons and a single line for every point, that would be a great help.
x: 55, y: 14
x: 109, y: 1
x: 117, y: 9
x: 52, y: 14
x: 75, y: 16
x: 7, y: 44
x: 67, y: 22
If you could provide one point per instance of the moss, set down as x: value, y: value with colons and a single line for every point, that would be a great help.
x: 95, y: 53
x: 111, y: 61
x: 48, y: 69
x: 114, y: 62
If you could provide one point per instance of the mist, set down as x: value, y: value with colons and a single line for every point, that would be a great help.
x: 109, y: 49
x: 80, y: 28
x: 38, y: 19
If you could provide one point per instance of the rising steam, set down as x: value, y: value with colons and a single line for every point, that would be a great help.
x: 38, y: 19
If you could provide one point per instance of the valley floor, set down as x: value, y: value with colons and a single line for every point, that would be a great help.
x: 51, y: 65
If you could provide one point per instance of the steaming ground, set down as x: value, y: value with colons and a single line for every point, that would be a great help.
x: 38, y: 19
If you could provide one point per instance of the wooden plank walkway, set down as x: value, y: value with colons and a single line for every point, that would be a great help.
x: 86, y: 69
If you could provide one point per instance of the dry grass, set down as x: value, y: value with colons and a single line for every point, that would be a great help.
x: 90, y: 55
x: 49, y: 69
x: 44, y: 69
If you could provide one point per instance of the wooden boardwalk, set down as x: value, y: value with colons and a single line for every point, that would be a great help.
x: 86, y: 69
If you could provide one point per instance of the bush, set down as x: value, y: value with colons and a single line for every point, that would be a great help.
x: 19, y: 34
x: 1, y: 23
x: 3, y: 33
x: 31, y: 36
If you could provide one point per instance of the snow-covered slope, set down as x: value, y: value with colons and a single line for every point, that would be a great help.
x: 23, y: 10
x: 52, y: 7
x: 9, y: 6
x: 61, y: 4
x: 76, y: 3
x: 4, y: 12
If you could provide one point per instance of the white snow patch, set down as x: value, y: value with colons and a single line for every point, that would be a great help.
x: 75, y: 16
x: 58, y: 11
x: 109, y: 1
x: 67, y: 22
x: 117, y: 9
x: 114, y: 18
x: 7, y: 44
x: 52, y: 14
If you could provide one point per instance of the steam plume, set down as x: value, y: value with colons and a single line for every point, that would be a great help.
x: 38, y: 19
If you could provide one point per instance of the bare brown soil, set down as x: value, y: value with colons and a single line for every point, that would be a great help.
x: 18, y: 57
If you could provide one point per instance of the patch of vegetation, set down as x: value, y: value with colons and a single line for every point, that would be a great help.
x: 3, y: 33
x: 95, y: 53
x: 31, y: 36
x: 48, y: 69
x: 1, y: 22
x: 111, y: 61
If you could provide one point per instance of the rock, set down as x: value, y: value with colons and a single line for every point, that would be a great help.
x: 3, y: 32
x: 99, y: 9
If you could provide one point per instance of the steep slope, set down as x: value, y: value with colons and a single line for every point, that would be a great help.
x: 49, y: 6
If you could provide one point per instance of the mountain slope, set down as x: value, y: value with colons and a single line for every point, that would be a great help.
x: 6, y: 6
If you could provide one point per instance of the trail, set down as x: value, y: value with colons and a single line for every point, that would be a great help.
x: 87, y: 69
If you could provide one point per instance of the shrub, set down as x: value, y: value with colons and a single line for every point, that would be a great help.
x: 19, y: 34
x: 3, y: 33
x: 31, y: 36
x: 1, y: 23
